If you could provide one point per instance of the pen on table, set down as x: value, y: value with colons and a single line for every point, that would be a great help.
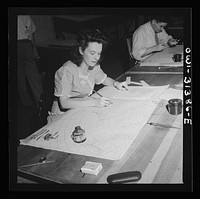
x: 37, y: 134
x: 45, y: 132
x: 162, y: 125
x: 83, y: 175
x: 36, y: 164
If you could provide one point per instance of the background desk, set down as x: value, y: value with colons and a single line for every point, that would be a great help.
x: 159, y: 63
x: 156, y: 152
x: 164, y: 57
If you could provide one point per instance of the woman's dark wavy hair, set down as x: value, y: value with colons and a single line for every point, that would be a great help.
x: 85, y: 36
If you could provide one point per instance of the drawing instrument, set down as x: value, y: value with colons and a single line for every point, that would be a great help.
x: 98, y: 93
x: 83, y: 175
x: 141, y: 83
x: 38, y: 134
x: 128, y: 81
x: 162, y: 125
x: 45, y: 132
x: 37, y: 164
x: 101, y: 95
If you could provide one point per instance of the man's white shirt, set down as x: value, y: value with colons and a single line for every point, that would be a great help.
x: 144, y: 37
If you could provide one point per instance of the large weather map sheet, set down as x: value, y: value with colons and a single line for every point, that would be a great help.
x: 109, y: 130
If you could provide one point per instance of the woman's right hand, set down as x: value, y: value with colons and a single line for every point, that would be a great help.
x: 103, y: 101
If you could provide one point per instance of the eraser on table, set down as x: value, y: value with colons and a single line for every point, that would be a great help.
x: 92, y: 168
x: 125, y: 177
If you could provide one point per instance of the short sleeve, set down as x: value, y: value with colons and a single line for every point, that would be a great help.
x: 63, y: 82
x: 100, y: 76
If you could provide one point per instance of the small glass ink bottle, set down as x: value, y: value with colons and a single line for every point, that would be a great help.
x: 78, y: 135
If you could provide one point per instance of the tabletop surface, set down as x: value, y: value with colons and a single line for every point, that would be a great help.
x: 159, y: 63
x: 156, y: 152
x: 164, y: 57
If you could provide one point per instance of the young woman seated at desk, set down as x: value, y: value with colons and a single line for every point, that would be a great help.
x: 75, y: 80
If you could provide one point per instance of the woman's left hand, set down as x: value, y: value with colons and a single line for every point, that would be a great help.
x: 121, y: 85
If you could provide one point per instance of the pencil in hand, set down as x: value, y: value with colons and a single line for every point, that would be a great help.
x: 101, y: 96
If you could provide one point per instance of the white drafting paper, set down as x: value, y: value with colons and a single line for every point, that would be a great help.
x: 109, y: 130
x: 164, y: 58
x: 136, y: 92
x: 171, y: 93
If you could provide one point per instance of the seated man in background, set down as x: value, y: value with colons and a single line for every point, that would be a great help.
x: 151, y: 37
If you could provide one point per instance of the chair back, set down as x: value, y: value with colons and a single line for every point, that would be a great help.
x: 129, y: 45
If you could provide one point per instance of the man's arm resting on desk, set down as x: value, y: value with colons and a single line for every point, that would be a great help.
x: 149, y: 50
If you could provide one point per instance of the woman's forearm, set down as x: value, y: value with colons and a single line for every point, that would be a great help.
x: 70, y: 103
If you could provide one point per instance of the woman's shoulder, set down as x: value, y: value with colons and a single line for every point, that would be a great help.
x: 69, y: 66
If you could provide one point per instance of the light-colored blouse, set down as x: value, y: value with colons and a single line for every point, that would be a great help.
x: 70, y: 82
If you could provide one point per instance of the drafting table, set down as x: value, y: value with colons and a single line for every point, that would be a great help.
x: 159, y: 63
x: 156, y: 152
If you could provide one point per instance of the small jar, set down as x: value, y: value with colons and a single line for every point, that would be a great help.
x: 78, y: 135
x: 175, y: 106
